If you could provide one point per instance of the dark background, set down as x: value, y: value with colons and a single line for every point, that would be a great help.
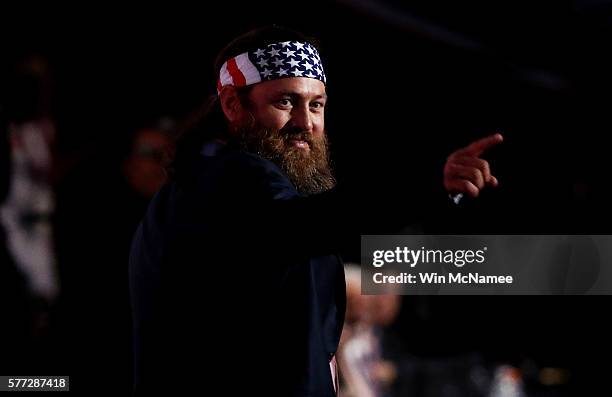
x: 409, y: 82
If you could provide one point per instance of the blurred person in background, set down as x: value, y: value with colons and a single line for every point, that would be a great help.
x: 365, y: 368
x: 143, y: 171
x: 30, y: 202
x: 144, y: 168
x: 375, y: 360
x: 28, y: 265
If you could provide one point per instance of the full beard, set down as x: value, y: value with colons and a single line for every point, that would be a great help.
x: 308, y: 169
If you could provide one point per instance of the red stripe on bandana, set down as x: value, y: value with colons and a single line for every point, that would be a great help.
x: 237, y: 76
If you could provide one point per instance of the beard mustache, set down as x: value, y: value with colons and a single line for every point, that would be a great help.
x: 308, y: 170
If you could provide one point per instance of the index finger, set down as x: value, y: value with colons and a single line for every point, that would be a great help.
x: 478, y: 147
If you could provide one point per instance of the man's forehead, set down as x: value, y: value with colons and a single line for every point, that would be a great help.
x: 300, y: 86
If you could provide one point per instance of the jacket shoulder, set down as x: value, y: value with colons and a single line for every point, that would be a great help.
x: 249, y: 172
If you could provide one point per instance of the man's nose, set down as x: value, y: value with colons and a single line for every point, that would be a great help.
x: 301, y: 118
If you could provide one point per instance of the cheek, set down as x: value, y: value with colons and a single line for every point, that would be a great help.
x: 318, y: 127
x: 273, y: 118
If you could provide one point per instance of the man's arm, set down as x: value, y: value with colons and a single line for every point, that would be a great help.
x: 317, y: 224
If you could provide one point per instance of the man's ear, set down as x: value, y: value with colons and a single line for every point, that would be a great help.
x: 230, y: 103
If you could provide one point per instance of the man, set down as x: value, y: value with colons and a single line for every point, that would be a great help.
x: 236, y: 283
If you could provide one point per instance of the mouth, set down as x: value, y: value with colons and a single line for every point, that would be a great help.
x: 298, y: 143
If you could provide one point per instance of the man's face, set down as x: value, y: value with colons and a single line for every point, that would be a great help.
x: 294, y: 105
x: 284, y: 122
x: 144, y: 167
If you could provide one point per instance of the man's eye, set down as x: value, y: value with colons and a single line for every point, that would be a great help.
x: 317, y: 105
x: 285, y: 102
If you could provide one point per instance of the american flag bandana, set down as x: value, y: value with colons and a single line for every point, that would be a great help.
x: 275, y: 61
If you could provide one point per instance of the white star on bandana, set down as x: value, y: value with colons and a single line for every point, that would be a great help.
x: 288, y: 53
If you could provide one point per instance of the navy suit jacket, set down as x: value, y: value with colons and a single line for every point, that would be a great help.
x: 235, y: 283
